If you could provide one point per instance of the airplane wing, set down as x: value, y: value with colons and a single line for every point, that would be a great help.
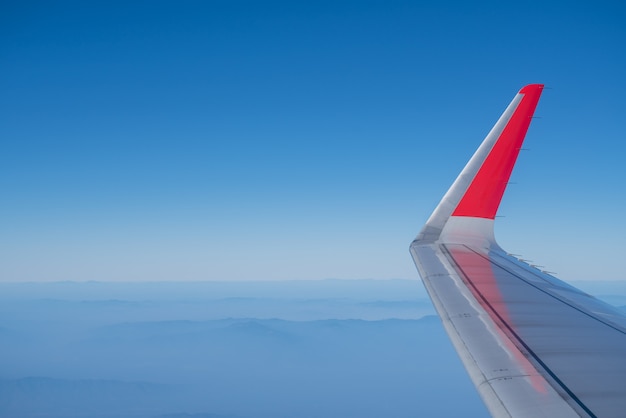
x: 533, y: 345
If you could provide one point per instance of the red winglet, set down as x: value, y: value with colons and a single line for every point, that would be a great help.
x: 483, y: 196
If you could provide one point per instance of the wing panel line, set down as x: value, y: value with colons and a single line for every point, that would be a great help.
x: 565, y: 302
x: 510, y: 330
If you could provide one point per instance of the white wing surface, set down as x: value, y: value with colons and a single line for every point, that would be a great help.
x: 533, y: 345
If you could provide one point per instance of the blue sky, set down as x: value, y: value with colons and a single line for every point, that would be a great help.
x: 233, y: 140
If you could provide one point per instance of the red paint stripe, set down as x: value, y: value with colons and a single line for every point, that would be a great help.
x: 483, y: 196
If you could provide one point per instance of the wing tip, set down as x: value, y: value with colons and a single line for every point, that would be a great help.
x: 478, y: 190
x: 532, y: 88
x: 484, y: 194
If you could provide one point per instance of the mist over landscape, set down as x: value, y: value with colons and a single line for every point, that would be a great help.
x: 330, y: 348
x: 310, y: 349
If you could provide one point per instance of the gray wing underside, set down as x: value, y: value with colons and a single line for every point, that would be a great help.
x: 533, y: 345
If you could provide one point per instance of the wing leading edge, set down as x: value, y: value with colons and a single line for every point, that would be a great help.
x: 533, y: 345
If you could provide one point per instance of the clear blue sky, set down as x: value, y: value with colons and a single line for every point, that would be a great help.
x: 232, y: 140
